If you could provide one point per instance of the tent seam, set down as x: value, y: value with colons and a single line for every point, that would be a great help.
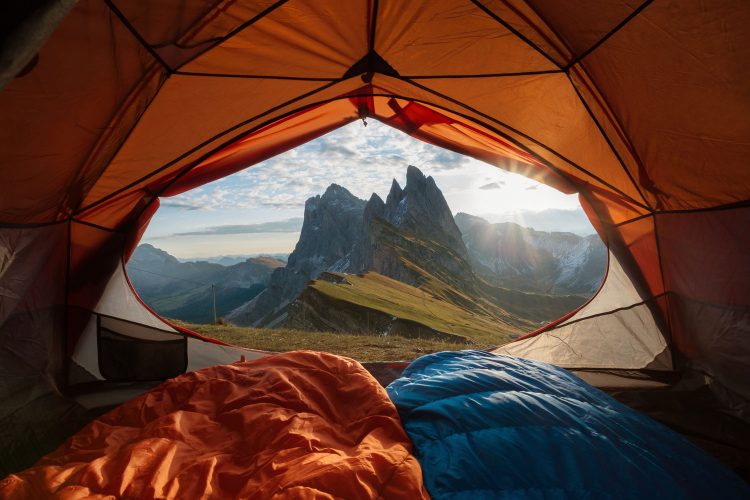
x: 235, y: 31
x: 201, y: 145
x: 608, y: 140
x: 517, y: 33
x: 606, y: 37
x: 142, y: 41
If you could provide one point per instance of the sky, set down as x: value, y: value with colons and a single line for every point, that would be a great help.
x: 259, y: 210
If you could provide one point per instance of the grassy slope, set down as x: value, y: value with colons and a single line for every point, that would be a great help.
x: 363, y: 348
x: 375, y: 291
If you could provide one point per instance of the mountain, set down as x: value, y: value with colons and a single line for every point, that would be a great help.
x: 230, y: 260
x: 360, y: 256
x: 331, y: 223
x: 549, y: 220
x: 521, y: 258
x: 182, y: 290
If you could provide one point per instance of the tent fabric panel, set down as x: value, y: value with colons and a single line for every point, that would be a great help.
x: 582, y: 24
x: 624, y: 339
x: 269, y: 141
x: 713, y: 340
x: 179, y: 31
x: 32, y: 306
x: 412, y: 33
x: 119, y: 301
x: 612, y: 132
x: 520, y: 16
x: 617, y: 291
x: 94, y: 253
x: 47, y: 166
x: 165, y: 133
x: 709, y: 290
x: 576, y: 174
x: 320, y: 39
x: 676, y: 77
x: 546, y: 109
x: 86, y: 354
x: 159, y: 168
x: 718, y: 247
x: 638, y: 239
x: 442, y: 128
x: 203, y: 354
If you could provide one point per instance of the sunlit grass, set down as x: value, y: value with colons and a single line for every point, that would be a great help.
x: 363, y: 348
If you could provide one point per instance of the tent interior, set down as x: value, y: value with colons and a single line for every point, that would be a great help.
x: 639, y: 107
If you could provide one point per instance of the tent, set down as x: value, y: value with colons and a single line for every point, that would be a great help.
x: 639, y: 107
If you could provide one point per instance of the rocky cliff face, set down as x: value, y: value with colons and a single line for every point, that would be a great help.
x: 412, y: 237
x: 342, y: 233
x: 521, y: 258
x: 332, y: 223
x: 413, y: 227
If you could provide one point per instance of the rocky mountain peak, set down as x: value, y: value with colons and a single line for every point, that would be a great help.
x: 421, y: 208
x: 375, y: 207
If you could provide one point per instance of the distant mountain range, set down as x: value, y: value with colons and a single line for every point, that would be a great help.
x: 403, y: 266
x: 230, y: 260
x: 353, y: 257
x: 182, y: 290
x: 521, y: 258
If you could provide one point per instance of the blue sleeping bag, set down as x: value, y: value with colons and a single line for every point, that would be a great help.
x: 492, y: 426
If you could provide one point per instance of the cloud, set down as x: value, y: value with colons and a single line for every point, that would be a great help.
x: 183, y: 206
x: 293, y: 225
x: 492, y: 185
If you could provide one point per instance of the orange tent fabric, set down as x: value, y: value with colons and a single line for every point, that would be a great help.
x: 295, y: 425
x: 639, y: 107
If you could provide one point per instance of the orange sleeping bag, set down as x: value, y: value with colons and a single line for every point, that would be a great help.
x: 301, y: 425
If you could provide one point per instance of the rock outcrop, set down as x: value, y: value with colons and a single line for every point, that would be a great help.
x: 332, y: 223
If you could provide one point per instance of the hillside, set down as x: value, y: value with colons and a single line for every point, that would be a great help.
x: 521, y: 258
x: 182, y: 290
x: 363, y: 348
x: 373, y: 304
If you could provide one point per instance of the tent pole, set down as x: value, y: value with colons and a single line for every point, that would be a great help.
x: 213, y: 301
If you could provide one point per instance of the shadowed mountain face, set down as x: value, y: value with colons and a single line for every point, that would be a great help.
x: 332, y: 223
x: 182, y: 290
x: 411, y: 238
x: 521, y: 258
